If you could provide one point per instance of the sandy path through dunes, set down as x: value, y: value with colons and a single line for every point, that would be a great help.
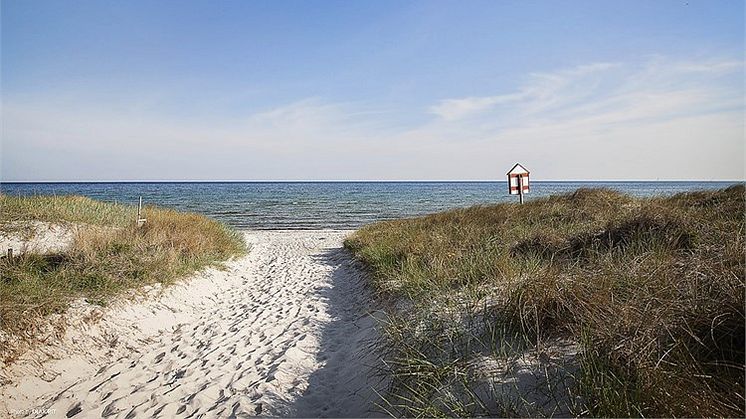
x: 283, y: 331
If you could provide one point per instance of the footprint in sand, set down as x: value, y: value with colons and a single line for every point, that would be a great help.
x: 266, y: 339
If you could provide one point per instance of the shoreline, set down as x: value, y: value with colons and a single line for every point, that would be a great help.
x: 348, y: 205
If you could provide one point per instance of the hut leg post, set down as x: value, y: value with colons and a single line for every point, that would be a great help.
x: 520, y: 189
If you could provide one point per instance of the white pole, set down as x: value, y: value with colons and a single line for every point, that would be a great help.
x: 139, y: 209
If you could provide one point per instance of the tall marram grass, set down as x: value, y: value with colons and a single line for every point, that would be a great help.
x: 109, y: 254
x: 64, y: 209
x: 652, y: 291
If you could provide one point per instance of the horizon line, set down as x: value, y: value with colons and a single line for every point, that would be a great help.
x: 363, y: 181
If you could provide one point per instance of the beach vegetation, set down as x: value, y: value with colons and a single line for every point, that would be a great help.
x: 592, y: 303
x: 108, y: 254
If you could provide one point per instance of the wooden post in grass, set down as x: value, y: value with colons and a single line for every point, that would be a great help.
x: 140, y: 221
x: 520, y: 189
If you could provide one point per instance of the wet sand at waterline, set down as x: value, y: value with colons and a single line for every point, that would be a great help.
x: 286, y: 330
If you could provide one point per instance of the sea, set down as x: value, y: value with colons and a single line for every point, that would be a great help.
x: 321, y: 205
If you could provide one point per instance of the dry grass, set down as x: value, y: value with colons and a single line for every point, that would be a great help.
x: 109, y: 254
x: 64, y: 209
x: 651, y: 289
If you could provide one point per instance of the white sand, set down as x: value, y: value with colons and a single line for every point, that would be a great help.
x: 284, y: 331
x: 37, y: 237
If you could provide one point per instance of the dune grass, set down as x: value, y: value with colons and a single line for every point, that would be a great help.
x: 652, y: 291
x: 109, y: 254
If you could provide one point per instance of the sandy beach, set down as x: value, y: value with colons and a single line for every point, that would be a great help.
x: 287, y: 330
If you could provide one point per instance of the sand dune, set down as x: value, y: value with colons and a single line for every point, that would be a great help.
x: 283, y: 331
x: 37, y: 237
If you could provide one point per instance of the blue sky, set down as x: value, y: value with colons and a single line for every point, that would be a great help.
x: 374, y: 90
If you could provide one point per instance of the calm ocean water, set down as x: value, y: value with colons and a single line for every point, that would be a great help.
x: 314, y: 205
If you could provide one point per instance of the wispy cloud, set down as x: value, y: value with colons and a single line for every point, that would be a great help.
x: 659, y: 118
x: 453, y: 109
x: 543, y: 91
x: 604, y: 88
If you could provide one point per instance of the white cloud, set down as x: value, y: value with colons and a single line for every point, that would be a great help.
x: 453, y: 109
x: 592, y: 87
x: 683, y: 120
x: 542, y: 92
x: 659, y: 119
